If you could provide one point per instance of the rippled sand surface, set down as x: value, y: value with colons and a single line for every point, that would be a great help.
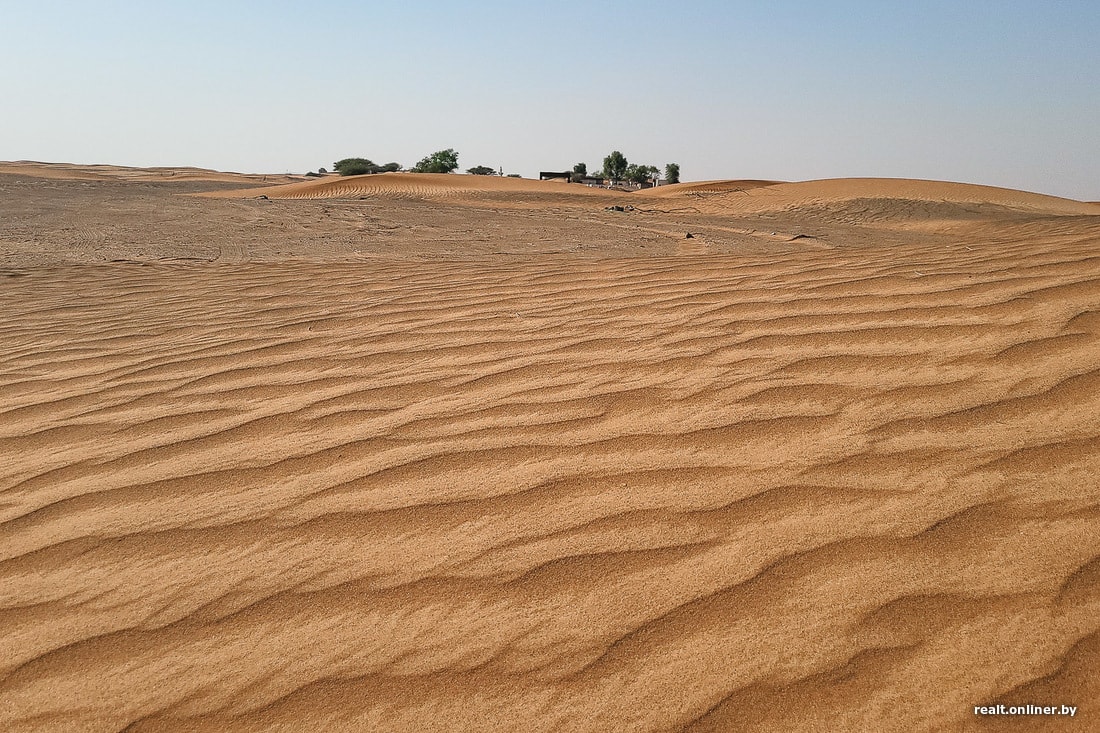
x: 831, y: 464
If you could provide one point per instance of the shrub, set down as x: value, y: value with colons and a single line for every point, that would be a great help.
x: 354, y: 166
x: 443, y: 161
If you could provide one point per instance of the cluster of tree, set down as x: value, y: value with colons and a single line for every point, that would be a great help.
x: 442, y: 161
x: 361, y: 166
x: 617, y: 168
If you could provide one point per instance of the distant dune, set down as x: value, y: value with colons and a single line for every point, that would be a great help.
x: 416, y: 185
x: 896, y: 193
x: 453, y: 453
x: 70, y: 171
x: 880, y: 197
x: 708, y: 187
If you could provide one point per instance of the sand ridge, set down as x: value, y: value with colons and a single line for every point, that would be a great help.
x: 891, y: 204
x: 705, y: 187
x: 838, y: 484
x: 739, y: 195
x: 72, y: 171
x: 891, y: 199
x: 432, y: 186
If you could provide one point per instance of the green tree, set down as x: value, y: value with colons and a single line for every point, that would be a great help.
x: 481, y: 170
x: 389, y: 167
x: 581, y: 168
x: 614, y: 166
x: 672, y: 172
x: 443, y: 161
x: 639, y: 173
x: 354, y: 166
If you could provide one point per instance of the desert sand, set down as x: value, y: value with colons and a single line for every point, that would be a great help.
x: 422, y: 452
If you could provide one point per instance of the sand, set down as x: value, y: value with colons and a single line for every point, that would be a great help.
x: 412, y: 453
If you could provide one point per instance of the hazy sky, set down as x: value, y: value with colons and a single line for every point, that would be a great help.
x: 999, y: 92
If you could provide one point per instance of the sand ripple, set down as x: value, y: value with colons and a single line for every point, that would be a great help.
x: 829, y: 490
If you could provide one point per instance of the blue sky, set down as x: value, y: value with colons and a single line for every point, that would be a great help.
x: 1002, y: 93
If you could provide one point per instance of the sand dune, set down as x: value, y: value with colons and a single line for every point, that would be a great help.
x: 868, y: 198
x: 705, y: 187
x: 71, y: 171
x: 865, y: 201
x: 838, y: 484
x: 421, y: 186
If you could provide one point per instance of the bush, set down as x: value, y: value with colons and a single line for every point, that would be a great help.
x: 354, y: 166
x: 443, y: 161
x: 481, y: 170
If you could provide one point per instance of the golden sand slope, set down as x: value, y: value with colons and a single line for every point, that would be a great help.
x: 418, y: 185
x: 895, y: 203
x: 734, y: 196
x: 850, y: 487
x: 705, y: 187
x: 905, y: 199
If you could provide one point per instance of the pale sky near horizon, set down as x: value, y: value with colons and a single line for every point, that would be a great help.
x: 999, y: 93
